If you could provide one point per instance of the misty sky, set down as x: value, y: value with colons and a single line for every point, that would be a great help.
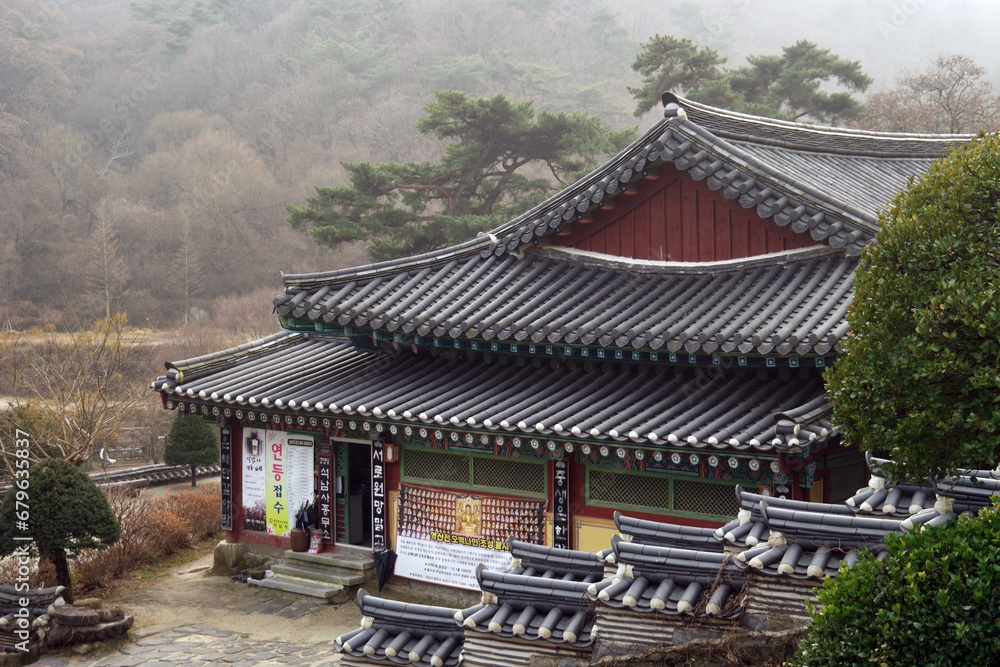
x: 885, y: 35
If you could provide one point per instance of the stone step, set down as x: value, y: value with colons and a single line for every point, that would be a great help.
x: 303, y: 587
x: 302, y: 570
x: 359, y: 563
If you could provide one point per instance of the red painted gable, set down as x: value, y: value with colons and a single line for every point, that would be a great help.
x: 676, y: 218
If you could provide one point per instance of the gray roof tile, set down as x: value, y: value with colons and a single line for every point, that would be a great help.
x: 325, y: 375
x: 792, y: 302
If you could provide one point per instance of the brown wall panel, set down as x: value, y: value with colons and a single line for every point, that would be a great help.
x: 677, y: 218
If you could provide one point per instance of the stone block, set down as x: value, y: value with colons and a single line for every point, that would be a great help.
x: 91, y: 603
x: 228, y: 556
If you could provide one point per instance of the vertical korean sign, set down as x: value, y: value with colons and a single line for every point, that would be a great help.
x: 226, y: 459
x: 378, y: 496
x: 560, y: 505
x: 325, y: 502
x: 276, y: 482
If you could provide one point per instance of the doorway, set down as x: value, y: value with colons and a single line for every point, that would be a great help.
x: 354, y: 493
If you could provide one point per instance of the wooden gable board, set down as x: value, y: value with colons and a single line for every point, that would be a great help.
x: 676, y: 218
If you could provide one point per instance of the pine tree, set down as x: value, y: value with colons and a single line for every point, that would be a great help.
x: 789, y: 86
x: 480, y: 182
x: 191, y: 442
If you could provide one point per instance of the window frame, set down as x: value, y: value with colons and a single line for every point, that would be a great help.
x: 671, y: 478
x: 541, y: 463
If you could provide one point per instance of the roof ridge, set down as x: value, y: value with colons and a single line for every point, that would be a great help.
x: 703, y: 114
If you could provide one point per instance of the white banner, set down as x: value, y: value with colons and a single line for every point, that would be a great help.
x: 445, y: 563
x: 254, y: 495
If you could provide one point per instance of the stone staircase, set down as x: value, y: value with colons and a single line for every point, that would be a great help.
x: 323, y: 575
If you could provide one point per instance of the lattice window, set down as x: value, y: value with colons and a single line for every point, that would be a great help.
x: 436, y: 466
x: 621, y: 489
x: 508, y: 474
x: 706, y: 498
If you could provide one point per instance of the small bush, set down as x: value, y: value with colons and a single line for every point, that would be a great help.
x: 935, y: 600
x: 151, y: 529
x: 95, y: 569
x: 170, y: 533
x: 200, y: 511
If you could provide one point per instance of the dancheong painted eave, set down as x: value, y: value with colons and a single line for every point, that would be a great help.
x: 325, y: 375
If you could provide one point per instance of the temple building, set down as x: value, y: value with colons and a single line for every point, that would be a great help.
x: 643, y: 341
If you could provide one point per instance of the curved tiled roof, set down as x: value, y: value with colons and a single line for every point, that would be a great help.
x: 791, y: 302
x: 417, y: 634
x: 322, y: 374
x: 968, y: 492
x: 800, y: 560
x: 672, y: 581
x: 830, y: 182
x: 656, y: 533
x: 547, y: 608
x: 537, y: 559
x: 749, y: 528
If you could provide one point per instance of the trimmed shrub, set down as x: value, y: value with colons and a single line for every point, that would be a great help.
x: 69, y: 516
x: 935, y: 600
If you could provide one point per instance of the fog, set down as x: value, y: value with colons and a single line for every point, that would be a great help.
x: 148, y: 149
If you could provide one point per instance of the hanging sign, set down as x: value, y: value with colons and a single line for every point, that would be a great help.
x: 254, y: 496
x: 226, y: 481
x: 443, y: 535
x: 301, y: 480
x: 325, y: 499
x: 560, y: 505
x: 378, y: 496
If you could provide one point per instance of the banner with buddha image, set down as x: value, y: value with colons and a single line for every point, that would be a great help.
x: 442, y: 536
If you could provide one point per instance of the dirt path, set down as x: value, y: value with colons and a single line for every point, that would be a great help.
x: 187, y: 594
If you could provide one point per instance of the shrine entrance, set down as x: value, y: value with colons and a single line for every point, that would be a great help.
x: 353, y: 492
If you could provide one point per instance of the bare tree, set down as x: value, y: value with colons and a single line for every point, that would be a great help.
x: 108, y: 273
x: 950, y: 96
x: 118, y: 149
x: 188, y: 267
x: 74, y: 390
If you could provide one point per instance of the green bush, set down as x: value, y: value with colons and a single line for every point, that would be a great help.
x: 920, y: 380
x: 935, y: 600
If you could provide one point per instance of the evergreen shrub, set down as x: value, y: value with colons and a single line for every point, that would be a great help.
x: 934, y: 600
x: 921, y: 378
